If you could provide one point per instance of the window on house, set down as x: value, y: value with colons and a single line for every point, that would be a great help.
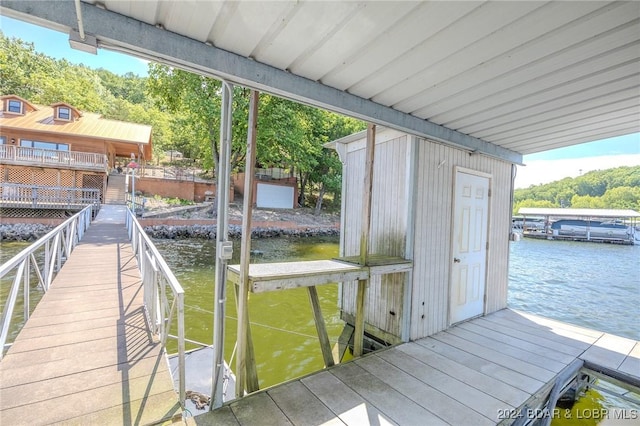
x: 3, y: 140
x: 14, y: 106
x: 44, y: 145
x: 64, y: 113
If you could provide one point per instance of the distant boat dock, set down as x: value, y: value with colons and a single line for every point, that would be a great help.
x: 590, y: 225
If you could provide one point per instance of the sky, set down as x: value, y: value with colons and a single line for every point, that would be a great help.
x: 539, y: 168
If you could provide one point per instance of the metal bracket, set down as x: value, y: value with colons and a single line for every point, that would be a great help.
x: 225, y: 250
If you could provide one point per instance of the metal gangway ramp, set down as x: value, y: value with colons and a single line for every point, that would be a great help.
x: 87, y: 353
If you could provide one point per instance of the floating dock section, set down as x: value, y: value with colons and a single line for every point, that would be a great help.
x: 498, y: 369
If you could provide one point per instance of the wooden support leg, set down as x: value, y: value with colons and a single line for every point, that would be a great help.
x: 252, y: 373
x: 246, y: 365
x: 325, y: 345
x: 344, y: 340
x: 358, y: 335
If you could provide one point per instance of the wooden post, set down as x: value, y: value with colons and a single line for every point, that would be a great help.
x: 251, y: 372
x: 358, y: 338
x: 325, y: 344
x: 245, y: 253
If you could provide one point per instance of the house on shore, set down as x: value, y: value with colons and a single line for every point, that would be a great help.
x: 448, y: 211
x: 57, y: 156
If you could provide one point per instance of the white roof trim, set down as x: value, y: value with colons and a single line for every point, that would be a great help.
x: 531, y: 211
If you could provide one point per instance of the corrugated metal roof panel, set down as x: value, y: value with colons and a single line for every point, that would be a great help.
x: 531, y: 211
x: 89, y: 125
x: 526, y: 76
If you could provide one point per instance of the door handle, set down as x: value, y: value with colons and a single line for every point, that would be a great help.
x: 456, y: 260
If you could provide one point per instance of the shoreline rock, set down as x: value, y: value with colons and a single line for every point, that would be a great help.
x: 29, y: 232
x: 172, y: 232
x: 24, y: 232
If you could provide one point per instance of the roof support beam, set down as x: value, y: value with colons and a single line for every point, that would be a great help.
x: 118, y: 32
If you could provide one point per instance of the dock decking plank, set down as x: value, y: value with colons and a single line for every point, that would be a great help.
x: 301, y: 406
x: 348, y: 405
x: 223, y: 416
x: 68, y: 327
x: 507, y: 375
x: 523, y: 354
x: 560, y: 336
x: 454, y: 377
x: 391, y: 402
x: 631, y: 364
x: 258, y: 410
x: 496, y: 356
x: 430, y: 388
x: 79, y: 386
x: 544, y: 344
x: 66, y: 367
x: 507, y: 393
x: 112, y: 330
x: 553, y: 324
x: 151, y: 410
x: 85, y: 356
x: 609, y: 351
x: 503, y: 339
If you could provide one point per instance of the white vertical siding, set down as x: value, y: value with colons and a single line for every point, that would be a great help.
x: 388, y: 227
x: 431, y: 215
x: 432, y: 248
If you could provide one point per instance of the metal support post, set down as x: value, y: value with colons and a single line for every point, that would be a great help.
x: 223, y: 246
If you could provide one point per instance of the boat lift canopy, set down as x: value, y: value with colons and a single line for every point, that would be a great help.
x: 603, y: 213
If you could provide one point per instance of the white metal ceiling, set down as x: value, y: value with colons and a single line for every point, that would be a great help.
x: 525, y: 76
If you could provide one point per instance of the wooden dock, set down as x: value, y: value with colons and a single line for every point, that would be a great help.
x: 86, y: 355
x: 480, y: 372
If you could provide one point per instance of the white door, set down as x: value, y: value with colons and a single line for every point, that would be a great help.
x: 469, y: 252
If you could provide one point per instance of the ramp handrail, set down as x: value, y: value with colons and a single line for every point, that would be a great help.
x: 58, y: 245
x: 158, y: 280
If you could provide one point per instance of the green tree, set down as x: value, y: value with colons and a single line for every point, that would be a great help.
x: 128, y: 86
x: 20, y: 66
x: 532, y: 203
x: 622, y: 197
x: 194, y: 100
x: 592, y: 190
x: 73, y: 84
x: 587, y: 202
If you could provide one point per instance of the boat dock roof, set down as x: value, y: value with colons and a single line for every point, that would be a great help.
x: 611, y: 213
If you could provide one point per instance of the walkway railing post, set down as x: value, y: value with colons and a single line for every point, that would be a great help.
x: 222, y: 246
x: 26, y: 287
x: 47, y: 259
x: 181, y: 349
x: 159, y: 284
x: 60, y: 241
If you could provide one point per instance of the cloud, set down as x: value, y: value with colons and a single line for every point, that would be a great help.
x: 545, y: 171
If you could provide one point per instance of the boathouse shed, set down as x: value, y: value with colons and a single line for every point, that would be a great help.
x: 448, y: 210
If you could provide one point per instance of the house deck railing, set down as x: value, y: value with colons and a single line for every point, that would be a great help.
x: 24, y: 156
x: 19, y: 195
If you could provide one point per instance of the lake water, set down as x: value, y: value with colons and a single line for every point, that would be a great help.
x: 587, y: 284
x: 592, y: 285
